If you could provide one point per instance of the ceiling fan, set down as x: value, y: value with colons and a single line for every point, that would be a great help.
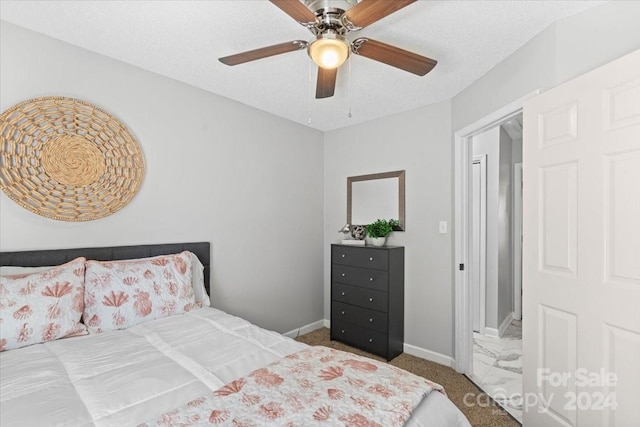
x: 330, y: 23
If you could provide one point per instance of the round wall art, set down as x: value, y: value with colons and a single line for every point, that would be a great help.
x: 68, y: 160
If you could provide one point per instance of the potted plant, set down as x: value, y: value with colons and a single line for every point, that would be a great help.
x: 378, y: 231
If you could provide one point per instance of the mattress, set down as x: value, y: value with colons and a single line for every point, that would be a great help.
x: 129, y: 376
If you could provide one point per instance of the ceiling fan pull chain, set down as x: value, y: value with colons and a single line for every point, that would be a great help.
x: 349, y: 115
x: 309, y: 90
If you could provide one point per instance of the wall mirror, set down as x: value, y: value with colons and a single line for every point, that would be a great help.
x: 379, y: 195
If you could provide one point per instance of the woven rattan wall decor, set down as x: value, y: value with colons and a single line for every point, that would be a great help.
x: 68, y: 160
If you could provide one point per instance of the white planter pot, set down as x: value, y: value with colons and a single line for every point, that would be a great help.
x: 377, y: 241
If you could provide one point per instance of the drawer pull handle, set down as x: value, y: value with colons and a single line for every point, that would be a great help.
x: 370, y: 320
x: 370, y: 299
x: 371, y: 279
x: 344, y: 255
x: 370, y: 339
x: 342, y: 331
x: 343, y: 293
x: 342, y: 313
x: 370, y: 258
x: 343, y: 275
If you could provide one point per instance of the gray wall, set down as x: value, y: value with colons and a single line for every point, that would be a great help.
x: 246, y: 181
x: 590, y: 39
x: 418, y: 142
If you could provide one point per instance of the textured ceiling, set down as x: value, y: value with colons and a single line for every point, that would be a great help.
x: 183, y: 39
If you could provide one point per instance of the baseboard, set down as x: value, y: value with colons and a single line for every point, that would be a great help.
x: 305, y: 329
x: 429, y: 355
x: 491, y: 332
x: 407, y: 348
x: 419, y: 352
x: 497, y: 333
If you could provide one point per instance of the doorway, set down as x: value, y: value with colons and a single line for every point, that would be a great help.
x: 497, y: 338
x: 463, y: 155
x: 463, y: 227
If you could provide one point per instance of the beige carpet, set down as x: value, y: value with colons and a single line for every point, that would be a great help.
x: 455, y: 384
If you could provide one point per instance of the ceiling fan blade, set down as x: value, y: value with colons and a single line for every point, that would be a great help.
x: 394, y: 56
x: 326, y: 82
x: 263, y: 52
x: 369, y: 11
x: 296, y: 10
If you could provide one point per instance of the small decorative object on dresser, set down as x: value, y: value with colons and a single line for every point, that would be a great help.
x: 367, y: 298
x: 358, y: 232
x: 348, y: 229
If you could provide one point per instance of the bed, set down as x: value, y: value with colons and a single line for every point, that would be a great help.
x: 150, y: 372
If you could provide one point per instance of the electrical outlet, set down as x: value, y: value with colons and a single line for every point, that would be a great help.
x: 443, y: 227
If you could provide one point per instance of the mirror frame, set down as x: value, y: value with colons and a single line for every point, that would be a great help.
x: 401, y: 194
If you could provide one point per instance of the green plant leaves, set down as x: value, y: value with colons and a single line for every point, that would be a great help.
x: 381, y: 228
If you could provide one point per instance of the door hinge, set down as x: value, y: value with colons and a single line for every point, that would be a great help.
x: 461, y: 267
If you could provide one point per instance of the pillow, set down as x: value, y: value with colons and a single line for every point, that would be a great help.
x: 41, y: 306
x: 200, y: 292
x: 197, y: 271
x: 120, y: 294
x: 10, y: 270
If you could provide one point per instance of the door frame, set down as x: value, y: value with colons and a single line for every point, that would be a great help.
x: 517, y: 241
x: 482, y: 160
x: 462, y: 155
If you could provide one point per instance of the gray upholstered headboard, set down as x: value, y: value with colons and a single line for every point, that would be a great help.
x: 61, y: 256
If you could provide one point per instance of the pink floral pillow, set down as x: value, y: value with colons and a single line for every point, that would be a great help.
x: 41, y: 306
x: 120, y: 294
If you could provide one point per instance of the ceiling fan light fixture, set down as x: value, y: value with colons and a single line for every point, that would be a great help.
x: 329, y: 50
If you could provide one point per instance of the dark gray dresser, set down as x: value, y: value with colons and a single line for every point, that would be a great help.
x: 367, y: 298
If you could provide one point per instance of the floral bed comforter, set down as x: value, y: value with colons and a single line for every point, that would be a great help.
x: 315, y: 386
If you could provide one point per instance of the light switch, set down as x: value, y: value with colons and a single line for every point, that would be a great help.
x: 443, y: 227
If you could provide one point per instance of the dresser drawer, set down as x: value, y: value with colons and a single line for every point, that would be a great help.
x: 366, y: 339
x: 368, y: 298
x: 370, y: 319
x: 360, y: 257
x: 365, y: 277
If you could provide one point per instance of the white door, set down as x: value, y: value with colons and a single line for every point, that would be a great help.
x: 517, y: 241
x: 581, y: 264
x: 475, y: 250
x: 479, y: 243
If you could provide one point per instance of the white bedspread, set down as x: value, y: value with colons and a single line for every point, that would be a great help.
x: 126, y: 377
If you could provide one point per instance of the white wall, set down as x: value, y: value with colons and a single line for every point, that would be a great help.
x: 495, y: 143
x: 505, y: 250
x: 488, y: 143
x: 566, y: 49
x: 418, y: 142
x: 216, y: 170
x: 516, y: 151
x: 595, y: 37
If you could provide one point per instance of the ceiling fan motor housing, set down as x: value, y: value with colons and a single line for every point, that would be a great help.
x: 318, y: 5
